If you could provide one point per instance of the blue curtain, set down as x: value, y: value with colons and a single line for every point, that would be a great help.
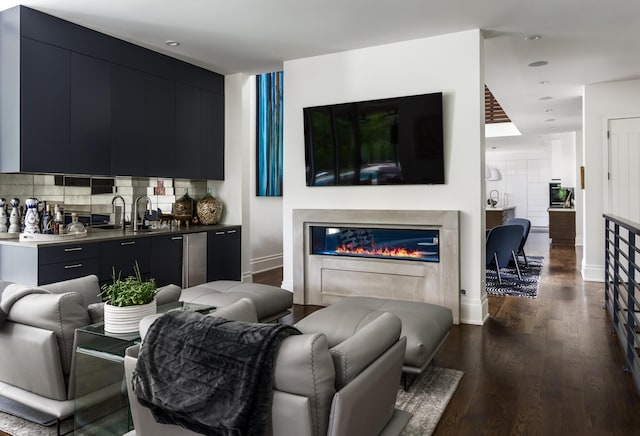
x: 269, y: 134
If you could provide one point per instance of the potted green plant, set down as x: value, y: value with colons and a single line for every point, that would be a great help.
x: 128, y: 301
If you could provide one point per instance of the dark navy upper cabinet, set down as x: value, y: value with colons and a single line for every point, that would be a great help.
x: 160, y: 126
x: 45, y: 108
x: 188, y: 118
x: 89, y: 103
x: 90, y: 151
x: 128, y: 94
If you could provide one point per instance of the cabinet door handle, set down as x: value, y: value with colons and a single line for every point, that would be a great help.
x: 128, y: 243
x: 176, y: 238
x: 77, y: 265
x: 231, y: 231
x: 219, y: 233
x: 66, y: 250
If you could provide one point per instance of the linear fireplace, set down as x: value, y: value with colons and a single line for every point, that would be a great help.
x: 376, y: 243
x: 408, y: 255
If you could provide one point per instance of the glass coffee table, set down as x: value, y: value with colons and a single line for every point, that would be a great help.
x: 101, y: 402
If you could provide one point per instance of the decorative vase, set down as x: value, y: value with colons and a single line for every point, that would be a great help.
x: 31, y: 218
x: 209, y: 209
x: 183, y: 209
x: 14, y: 216
x: 126, y: 319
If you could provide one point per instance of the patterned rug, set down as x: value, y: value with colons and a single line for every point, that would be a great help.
x: 511, y: 286
x: 426, y: 398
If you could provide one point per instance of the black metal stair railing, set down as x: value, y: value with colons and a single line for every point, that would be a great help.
x: 622, y: 296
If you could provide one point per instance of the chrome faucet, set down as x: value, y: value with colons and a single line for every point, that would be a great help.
x: 113, y: 209
x: 134, y: 217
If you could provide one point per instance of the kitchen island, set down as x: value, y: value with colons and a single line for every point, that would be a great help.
x: 562, y: 226
x: 498, y: 216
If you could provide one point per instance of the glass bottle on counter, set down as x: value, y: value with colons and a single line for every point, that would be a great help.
x: 58, y: 220
x: 47, y: 221
x: 75, y: 226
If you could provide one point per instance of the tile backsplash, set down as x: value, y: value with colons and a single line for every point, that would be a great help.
x: 92, y: 195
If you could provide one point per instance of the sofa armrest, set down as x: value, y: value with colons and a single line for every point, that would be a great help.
x: 304, y: 367
x: 353, y: 355
x: 30, y: 360
x: 168, y: 294
x: 367, y: 403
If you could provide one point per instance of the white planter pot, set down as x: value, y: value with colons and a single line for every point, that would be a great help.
x: 126, y: 319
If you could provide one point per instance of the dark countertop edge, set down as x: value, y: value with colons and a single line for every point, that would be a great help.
x: 114, y: 235
x: 561, y: 209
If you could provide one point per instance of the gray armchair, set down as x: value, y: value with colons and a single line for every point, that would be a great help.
x: 347, y: 390
x: 37, y: 361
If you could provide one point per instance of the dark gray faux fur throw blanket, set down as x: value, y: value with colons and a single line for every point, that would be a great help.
x: 208, y: 374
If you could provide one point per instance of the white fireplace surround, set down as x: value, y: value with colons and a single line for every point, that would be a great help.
x: 325, y: 279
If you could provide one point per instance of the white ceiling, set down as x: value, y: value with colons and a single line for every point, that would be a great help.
x: 584, y: 41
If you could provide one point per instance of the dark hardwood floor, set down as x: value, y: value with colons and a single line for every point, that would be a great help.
x: 544, y: 366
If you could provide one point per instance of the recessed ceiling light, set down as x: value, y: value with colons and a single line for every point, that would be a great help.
x: 543, y: 82
x: 550, y: 119
x: 552, y: 127
x: 172, y: 43
x: 533, y: 37
x: 548, y: 110
x: 545, y: 98
x: 538, y: 63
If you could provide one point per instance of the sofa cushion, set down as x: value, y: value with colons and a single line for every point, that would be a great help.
x: 268, y: 300
x: 360, y: 350
x: 425, y: 325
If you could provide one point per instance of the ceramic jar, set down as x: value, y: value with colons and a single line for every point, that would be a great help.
x: 14, y: 216
x: 209, y: 210
x: 31, y: 218
x: 183, y: 205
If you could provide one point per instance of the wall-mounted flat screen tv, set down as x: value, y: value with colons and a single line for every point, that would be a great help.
x: 391, y: 141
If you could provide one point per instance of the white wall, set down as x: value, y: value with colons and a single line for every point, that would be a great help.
x: 525, y: 182
x: 234, y: 190
x: 266, y: 212
x: 600, y: 102
x: 451, y: 64
x: 563, y: 158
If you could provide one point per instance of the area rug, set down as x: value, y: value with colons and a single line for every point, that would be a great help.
x: 511, y: 285
x: 15, y: 426
x: 427, y: 398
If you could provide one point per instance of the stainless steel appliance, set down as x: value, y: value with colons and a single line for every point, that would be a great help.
x: 194, y: 259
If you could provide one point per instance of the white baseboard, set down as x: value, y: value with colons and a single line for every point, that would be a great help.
x: 474, y: 311
x: 266, y: 263
x: 592, y: 273
x: 288, y: 285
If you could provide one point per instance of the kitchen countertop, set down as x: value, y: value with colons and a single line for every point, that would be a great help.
x: 95, y: 235
x: 561, y: 209
x: 499, y: 208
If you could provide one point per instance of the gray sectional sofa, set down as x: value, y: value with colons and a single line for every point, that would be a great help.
x: 37, y: 361
x: 348, y: 389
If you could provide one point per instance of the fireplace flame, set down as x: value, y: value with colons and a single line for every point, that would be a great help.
x: 383, y: 252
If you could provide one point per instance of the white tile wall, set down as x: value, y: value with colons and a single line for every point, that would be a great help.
x: 73, y: 198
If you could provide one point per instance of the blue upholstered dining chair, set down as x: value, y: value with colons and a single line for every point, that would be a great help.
x: 526, y: 226
x: 502, y: 245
